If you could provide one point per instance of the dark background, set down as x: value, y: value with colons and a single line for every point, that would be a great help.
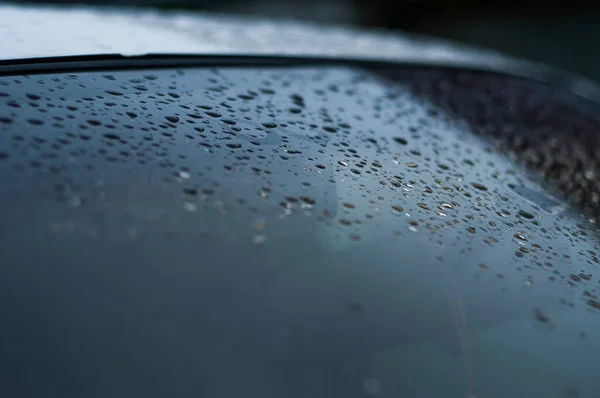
x: 563, y: 34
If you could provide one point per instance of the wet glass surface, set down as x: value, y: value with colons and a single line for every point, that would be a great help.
x: 297, y: 232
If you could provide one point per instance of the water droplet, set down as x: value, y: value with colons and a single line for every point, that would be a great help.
x: 594, y: 304
x: 183, y: 175
x: 540, y: 317
x: 520, y: 237
x: 526, y: 214
x: 75, y: 201
x: 190, y: 191
x: 397, y: 210
x: 112, y: 136
x: 308, y: 200
x: 191, y: 207
x: 479, y: 186
x: 258, y: 239
x: 35, y: 122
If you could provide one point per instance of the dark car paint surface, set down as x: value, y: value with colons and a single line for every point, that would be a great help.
x: 296, y: 231
x: 319, y: 225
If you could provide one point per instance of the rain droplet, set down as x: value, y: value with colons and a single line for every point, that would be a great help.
x: 526, y: 214
x: 191, y: 207
x: 258, y: 239
x: 520, y: 237
x: 397, y: 210
x: 479, y: 186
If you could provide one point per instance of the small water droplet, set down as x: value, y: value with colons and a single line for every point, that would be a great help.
x: 520, y: 237
x: 183, y: 175
x: 258, y: 239
x: 397, y: 210
x: 526, y: 214
x: 191, y: 207
x: 479, y: 186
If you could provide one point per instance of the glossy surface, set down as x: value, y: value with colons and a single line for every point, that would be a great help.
x: 30, y: 32
x: 323, y: 232
x: 105, y: 30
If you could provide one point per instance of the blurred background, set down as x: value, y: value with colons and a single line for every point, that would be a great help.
x: 564, y: 34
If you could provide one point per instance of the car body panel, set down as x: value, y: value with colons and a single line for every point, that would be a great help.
x: 162, y: 265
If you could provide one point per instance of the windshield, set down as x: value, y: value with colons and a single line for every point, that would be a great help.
x: 299, y: 231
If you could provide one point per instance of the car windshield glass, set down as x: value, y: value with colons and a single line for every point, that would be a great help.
x: 322, y: 231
